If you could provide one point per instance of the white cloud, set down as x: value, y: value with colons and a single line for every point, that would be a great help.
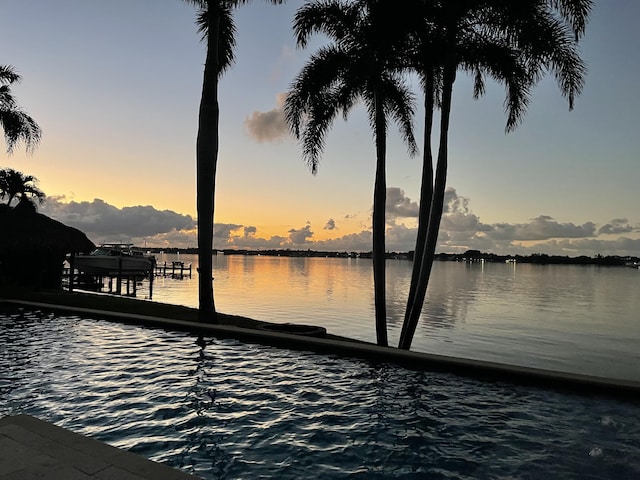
x: 104, y: 222
x: 454, y: 203
x: 398, y: 205
x: 460, y: 230
x: 253, y: 242
x: 617, y: 226
x: 585, y: 246
x: 542, y: 228
x: 222, y: 232
x: 268, y: 126
x: 353, y: 242
x: 300, y: 236
x: 400, y: 238
x: 249, y: 240
x: 459, y: 222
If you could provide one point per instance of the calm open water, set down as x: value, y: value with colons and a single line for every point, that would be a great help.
x: 228, y: 410
x: 582, y: 319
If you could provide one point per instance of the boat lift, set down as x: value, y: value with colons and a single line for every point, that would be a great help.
x: 96, y: 282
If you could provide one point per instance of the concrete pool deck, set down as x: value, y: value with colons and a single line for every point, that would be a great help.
x: 33, y: 449
x: 483, y: 370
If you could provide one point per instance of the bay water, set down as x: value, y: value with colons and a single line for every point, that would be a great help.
x: 573, y: 318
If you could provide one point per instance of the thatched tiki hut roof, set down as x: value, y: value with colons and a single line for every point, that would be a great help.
x: 33, y: 246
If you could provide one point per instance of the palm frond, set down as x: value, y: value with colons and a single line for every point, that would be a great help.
x: 318, y: 76
x: 399, y: 105
x: 7, y: 100
x: 506, y: 65
x: 226, y: 34
x: 368, y: 41
x: 321, y: 114
x: 478, y: 83
x: 334, y: 18
x: 8, y: 75
x: 19, y: 127
x: 14, y: 184
x: 218, y: 3
x: 575, y: 12
x: 548, y: 44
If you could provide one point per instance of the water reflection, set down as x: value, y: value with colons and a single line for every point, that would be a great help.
x: 576, y: 318
x: 451, y: 292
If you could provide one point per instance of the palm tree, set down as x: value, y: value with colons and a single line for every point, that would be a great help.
x: 513, y: 42
x: 477, y: 53
x: 363, y: 63
x: 215, y: 21
x: 16, y: 124
x: 15, y: 185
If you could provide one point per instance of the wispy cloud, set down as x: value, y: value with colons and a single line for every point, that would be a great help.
x: 330, y: 225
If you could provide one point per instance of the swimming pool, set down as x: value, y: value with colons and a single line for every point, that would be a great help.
x: 225, y: 410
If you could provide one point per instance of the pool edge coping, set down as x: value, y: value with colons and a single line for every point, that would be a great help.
x: 357, y: 349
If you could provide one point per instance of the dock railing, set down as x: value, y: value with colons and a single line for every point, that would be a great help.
x: 173, y: 269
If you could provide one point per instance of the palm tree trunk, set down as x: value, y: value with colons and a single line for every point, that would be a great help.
x: 426, y: 194
x: 206, y: 160
x: 437, y: 207
x: 379, y: 204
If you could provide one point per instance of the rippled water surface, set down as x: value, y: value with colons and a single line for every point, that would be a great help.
x: 228, y: 410
x: 582, y: 319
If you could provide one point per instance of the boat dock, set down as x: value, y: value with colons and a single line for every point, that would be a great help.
x: 115, y: 283
x: 33, y: 449
x: 172, y: 269
x: 124, y: 283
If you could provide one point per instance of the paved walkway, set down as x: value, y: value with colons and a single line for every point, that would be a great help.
x: 31, y: 449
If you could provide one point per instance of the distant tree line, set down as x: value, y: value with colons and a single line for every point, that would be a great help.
x: 468, y: 256
x: 536, y: 258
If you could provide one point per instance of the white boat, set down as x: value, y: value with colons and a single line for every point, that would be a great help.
x: 115, y: 259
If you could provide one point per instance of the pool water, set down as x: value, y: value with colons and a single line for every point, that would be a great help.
x: 222, y: 409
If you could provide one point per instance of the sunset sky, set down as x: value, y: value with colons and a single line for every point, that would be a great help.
x: 115, y: 87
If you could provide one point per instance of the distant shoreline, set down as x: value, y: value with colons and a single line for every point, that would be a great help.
x: 470, y: 256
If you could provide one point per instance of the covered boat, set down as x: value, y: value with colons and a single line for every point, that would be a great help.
x: 115, y: 259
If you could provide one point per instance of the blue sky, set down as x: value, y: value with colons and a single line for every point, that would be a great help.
x: 115, y: 87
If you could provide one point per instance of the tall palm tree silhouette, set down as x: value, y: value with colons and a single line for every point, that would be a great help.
x: 513, y: 42
x: 215, y: 21
x: 363, y: 63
